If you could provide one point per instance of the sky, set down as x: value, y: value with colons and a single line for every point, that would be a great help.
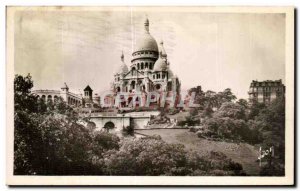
x: 214, y: 50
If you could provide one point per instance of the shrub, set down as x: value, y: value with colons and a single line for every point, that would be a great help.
x: 152, y: 156
x: 129, y: 130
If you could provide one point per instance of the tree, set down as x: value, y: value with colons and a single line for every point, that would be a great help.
x: 23, y: 100
x: 153, y: 156
x: 199, y: 95
x: 208, y: 111
x: 225, y: 96
x: 48, y: 140
x: 232, y: 110
x: 230, y: 122
x: 210, y: 99
x: 147, y: 156
x: 103, y: 141
x: 128, y: 130
x: 243, y: 103
x: 255, y: 108
x: 26, y: 133
x: 272, y: 122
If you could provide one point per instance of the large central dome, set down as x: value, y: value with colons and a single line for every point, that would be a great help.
x: 146, y: 42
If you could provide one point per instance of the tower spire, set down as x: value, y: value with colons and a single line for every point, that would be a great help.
x: 146, y: 24
x: 162, y: 49
x: 122, y: 56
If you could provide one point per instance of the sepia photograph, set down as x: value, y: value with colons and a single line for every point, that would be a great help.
x: 150, y: 95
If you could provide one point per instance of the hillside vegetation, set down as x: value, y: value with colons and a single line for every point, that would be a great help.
x: 242, y: 153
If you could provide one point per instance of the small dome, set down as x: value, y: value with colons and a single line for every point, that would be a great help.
x: 123, y: 69
x: 170, y: 73
x: 160, y: 64
x: 162, y: 50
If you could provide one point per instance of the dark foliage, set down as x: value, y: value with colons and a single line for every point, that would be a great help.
x: 49, y: 140
x: 129, y: 130
x: 272, y: 123
x: 152, y: 156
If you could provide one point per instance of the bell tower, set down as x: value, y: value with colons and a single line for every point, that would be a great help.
x: 88, y: 93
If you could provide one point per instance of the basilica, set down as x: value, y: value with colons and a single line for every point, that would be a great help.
x: 148, y: 71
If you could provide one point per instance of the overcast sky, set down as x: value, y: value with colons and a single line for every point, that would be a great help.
x: 216, y: 51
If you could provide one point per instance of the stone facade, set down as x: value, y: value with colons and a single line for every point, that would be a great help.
x: 89, y: 100
x: 149, y: 69
x: 69, y: 97
x: 76, y: 100
x: 265, y: 91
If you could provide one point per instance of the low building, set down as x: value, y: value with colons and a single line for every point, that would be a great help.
x: 76, y: 100
x: 265, y: 91
x: 69, y: 97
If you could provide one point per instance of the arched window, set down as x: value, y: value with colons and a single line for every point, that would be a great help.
x: 55, y: 98
x: 158, y: 86
x: 169, y: 86
x: 142, y: 65
x: 49, y: 98
x: 150, y: 66
x: 133, y: 85
x: 146, y: 65
x: 153, y: 76
x: 138, y: 66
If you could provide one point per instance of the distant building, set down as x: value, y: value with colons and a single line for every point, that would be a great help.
x: 265, y: 91
x: 96, y: 99
x: 69, y: 97
x: 89, y: 100
x: 88, y: 97
x: 76, y: 100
